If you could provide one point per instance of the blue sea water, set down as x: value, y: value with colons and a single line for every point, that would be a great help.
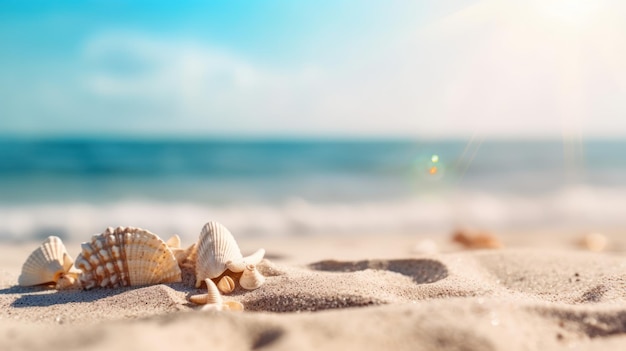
x: 77, y: 187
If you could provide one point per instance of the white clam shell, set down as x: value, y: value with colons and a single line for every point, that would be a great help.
x: 251, y: 278
x: 126, y: 256
x: 215, y: 248
x: 47, y: 264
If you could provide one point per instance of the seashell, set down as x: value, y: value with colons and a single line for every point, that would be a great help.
x: 216, y: 247
x: 212, y: 296
x: 200, y: 299
x: 476, y: 240
x: 239, y: 265
x: 213, y: 299
x: 251, y: 278
x: 193, y: 255
x: 126, y: 256
x: 69, y: 281
x: 174, y: 242
x: 226, y: 285
x: 225, y: 306
x: 47, y: 264
x: 595, y: 242
x: 181, y: 254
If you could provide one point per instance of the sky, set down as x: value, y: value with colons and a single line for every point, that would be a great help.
x: 430, y: 68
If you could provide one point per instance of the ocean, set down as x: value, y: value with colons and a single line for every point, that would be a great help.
x: 77, y: 187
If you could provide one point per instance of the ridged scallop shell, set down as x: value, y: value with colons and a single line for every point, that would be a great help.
x: 251, y: 278
x: 215, y: 248
x: 47, y: 264
x: 126, y: 256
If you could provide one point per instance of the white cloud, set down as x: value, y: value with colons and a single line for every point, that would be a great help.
x: 200, y: 87
x: 493, y: 68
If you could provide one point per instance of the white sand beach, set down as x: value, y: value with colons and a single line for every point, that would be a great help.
x: 348, y: 293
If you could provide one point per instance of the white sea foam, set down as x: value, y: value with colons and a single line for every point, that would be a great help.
x: 574, y: 207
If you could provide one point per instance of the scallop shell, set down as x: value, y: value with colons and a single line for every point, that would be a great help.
x: 215, y: 248
x: 47, y: 264
x: 251, y: 278
x: 126, y: 256
x: 213, y: 299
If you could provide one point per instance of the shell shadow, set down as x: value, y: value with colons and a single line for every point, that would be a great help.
x: 16, y: 289
x: 33, y: 296
x: 422, y: 271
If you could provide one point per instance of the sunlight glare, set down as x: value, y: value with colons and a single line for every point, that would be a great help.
x: 571, y: 12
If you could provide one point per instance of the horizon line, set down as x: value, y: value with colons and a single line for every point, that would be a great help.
x: 328, y: 137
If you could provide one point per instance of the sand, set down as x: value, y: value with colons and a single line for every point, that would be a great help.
x: 540, y: 292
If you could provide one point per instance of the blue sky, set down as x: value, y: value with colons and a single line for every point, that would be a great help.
x: 493, y: 68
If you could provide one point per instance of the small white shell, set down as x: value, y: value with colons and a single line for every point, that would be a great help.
x: 239, y: 265
x: 183, y: 254
x: 126, y: 256
x: 174, y: 242
x: 47, y: 264
x: 251, y: 278
x: 216, y: 246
